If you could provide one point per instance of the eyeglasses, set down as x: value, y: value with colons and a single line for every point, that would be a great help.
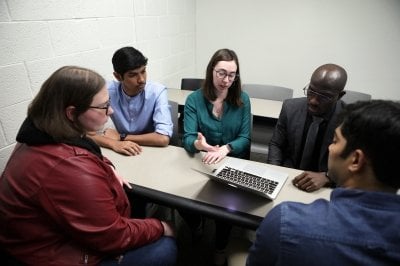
x: 323, y: 97
x: 105, y: 107
x: 221, y: 74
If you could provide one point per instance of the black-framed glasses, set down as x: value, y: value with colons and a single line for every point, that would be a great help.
x: 324, y: 97
x: 105, y: 107
x: 221, y: 74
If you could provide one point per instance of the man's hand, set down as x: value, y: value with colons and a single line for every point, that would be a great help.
x: 126, y: 147
x: 310, y: 181
x: 111, y: 133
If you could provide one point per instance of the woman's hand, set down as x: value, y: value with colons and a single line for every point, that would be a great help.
x: 201, y: 144
x: 168, y: 229
x: 120, y: 179
x: 216, y: 156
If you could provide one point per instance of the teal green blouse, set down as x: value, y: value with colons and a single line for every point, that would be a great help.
x: 232, y: 128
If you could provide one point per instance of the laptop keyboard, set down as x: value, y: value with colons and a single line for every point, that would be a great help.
x: 247, y: 180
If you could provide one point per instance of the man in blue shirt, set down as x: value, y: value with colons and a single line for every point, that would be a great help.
x: 141, y: 111
x: 360, y: 224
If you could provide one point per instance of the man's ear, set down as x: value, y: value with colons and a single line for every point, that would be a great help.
x: 69, y: 112
x: 117, y: 76
x: 358, y: 160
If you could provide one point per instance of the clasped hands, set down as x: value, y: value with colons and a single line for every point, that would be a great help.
x: 214, y: 153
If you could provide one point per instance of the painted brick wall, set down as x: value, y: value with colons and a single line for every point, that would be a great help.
x: 39, y: 36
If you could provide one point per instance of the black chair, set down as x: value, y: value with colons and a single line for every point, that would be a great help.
x: 175, y: 140
x: 263, y: 127
x: 191, y: 84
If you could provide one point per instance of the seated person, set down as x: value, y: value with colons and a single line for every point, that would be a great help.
x: 217, y: 120
x: 61, y: 200
x: 141, y: 111
x: 305, y: 128
x: 360, y: 224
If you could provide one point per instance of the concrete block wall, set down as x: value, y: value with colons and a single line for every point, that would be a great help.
x: 39, y: 36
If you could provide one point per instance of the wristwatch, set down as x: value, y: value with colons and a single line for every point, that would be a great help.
x: 122, y: 136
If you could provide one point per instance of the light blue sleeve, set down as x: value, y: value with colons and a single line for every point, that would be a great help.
x: 162, y: 115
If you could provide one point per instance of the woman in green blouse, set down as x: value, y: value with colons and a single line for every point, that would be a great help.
x: 217, y: 120
x: 217, y: 116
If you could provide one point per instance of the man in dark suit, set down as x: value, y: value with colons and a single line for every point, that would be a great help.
x: 306, y: 125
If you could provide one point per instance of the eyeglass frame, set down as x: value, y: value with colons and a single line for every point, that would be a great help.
x: 106, y: 107
x: 222, y: 74
x: 308, y: 92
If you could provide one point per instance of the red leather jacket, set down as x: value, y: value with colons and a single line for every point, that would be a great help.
x: 63, y: 205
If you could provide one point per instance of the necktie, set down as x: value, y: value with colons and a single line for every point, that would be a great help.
x: 310, y: 142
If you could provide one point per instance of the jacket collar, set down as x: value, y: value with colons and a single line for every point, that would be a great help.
x: 32, y: 136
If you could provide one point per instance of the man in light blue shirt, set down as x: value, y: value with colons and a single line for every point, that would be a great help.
x: 360, y: 224
x: 141, y: 111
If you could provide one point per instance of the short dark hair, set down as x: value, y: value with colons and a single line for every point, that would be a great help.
x: 374, y: 127
x: 235, y: 90
x: 127, y: 58
x: 67, y: 86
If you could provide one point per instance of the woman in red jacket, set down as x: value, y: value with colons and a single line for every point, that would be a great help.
x: 61, y: 202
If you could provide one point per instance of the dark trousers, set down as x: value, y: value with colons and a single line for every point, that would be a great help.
x: 222, y: 228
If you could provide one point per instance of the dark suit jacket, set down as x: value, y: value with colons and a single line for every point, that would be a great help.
x: 285, y: 145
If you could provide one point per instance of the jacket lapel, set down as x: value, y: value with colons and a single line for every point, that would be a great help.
x: 327, y: 140
x: 298, y: 132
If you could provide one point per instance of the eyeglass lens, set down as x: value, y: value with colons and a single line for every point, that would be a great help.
x: 310, y: 92
x: 221, y: 74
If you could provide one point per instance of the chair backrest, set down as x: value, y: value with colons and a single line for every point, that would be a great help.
x: 174, y: 117
x: 191, y: 84
x: 354, y: 96
x: 270, y: 92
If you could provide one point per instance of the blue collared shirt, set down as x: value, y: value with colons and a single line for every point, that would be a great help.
x: 146, y: 112
x: 355, y: 228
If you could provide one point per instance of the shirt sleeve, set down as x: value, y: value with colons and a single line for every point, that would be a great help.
x: 242, y: 141
x: 265, y: 249
x: 278, y: 140
x: 190, y: 124
x: 162, y: 115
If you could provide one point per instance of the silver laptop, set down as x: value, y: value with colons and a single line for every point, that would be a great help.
x: 246, y: 175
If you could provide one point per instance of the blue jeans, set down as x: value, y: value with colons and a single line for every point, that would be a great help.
x: 162, y: 252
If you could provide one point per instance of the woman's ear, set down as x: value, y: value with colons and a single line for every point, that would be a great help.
x: 69, y: 112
